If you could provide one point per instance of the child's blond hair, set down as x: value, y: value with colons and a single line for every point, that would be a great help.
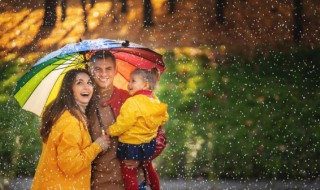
x: 151, y: 76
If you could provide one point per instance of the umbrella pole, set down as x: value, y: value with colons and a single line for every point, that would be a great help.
x: 85, y: 60
x: 84, y: 57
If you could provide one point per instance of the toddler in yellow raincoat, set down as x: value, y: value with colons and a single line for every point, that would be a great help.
x: 137, y: 124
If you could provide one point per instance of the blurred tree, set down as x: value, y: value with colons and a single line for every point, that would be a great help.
x: 92, y: 3
x: 297, y: 19
x: 63, y: 9
x: 83, y: 3
x: 50, y: 15
x: 220, y: 6
x: 114, y: 10
x: 123, y: 6
x: 172, y: 4
x: 147, y: 14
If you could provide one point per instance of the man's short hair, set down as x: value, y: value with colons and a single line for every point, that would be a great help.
x: 102, y: 55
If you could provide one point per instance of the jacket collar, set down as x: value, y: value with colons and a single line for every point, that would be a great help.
x: 144, y: 92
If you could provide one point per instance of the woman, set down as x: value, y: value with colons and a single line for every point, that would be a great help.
x: 67, y: 152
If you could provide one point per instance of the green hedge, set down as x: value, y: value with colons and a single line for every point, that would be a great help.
x: 20, y: 144
x: 242, y: 118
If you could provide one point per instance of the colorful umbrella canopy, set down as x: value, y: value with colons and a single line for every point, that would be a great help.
x: 39, y: 86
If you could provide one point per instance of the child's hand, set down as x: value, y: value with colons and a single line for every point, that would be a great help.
x: 108, y: 132
x: 131, y: 164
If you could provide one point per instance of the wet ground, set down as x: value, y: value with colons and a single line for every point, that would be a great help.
x: 24, y: 183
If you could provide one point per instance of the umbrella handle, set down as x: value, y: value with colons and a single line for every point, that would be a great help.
x: 100, y: 121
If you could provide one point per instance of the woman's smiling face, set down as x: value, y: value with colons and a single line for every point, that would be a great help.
x: 82, y: 88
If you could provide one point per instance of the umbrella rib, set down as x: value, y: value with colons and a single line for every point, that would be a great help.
x: 69, y: 64
x: 115, y: 52
x: 66, y: 66
x: 58, y: 59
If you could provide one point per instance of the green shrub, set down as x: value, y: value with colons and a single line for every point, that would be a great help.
x: 244, y: 118
x: 20, y: 144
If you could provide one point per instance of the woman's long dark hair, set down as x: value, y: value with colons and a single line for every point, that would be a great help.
x: 91, y: 110
x: 64, y: 101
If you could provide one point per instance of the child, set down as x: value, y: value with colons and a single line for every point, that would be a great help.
x: 137, y: 125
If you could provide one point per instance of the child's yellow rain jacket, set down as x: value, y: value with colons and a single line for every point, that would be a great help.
x: 139, y: 119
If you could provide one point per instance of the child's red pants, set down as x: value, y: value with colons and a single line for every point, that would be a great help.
x: 130, y: 176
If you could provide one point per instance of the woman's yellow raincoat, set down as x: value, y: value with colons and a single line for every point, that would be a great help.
x: 65, y: 161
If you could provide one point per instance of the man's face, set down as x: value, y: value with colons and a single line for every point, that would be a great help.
x: 103, y: 71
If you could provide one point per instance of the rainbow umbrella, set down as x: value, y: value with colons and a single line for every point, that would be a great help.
x: 41, y: 84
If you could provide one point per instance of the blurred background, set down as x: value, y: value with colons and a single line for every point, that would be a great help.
x: 242, y: 84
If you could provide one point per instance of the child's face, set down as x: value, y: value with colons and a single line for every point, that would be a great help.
x: 137, y: 83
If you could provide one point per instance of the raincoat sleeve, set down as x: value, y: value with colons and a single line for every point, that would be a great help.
x: 128, y: 116
x: 166, y: 118
x: 71, y: 156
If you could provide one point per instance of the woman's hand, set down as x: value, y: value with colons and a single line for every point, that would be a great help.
x: 107, y: 131
x: 103, y: 141
x: 131, y: 164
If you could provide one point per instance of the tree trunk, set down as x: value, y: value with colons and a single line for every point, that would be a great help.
x: 123, y: 6
x: 50, y: 14
x: 92, y: 3
x: 220, y: 6
x: 64, y: 10
x: 297, y: 19
x: 172, y: 6
x: 83, y: 3
x: 147, y: 14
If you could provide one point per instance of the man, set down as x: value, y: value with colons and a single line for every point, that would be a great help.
x: 106, y: 171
